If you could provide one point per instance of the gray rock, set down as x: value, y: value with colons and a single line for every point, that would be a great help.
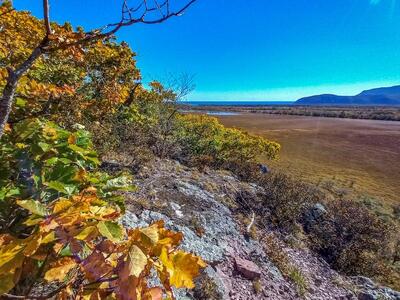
x: 314, y: 215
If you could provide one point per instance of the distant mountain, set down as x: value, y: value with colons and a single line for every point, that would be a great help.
x: 378, y: 96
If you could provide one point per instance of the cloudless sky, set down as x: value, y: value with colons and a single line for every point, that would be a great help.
x: 259, y: 49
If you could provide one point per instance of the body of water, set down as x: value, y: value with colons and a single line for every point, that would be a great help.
x: 211, y: 113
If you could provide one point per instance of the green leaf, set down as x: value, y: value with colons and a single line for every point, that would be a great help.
x: 78, y: 149
x: 44, y: 146
x: 93, y: 159
x: 51, y: 161
x: 33, y: 206
x: 4, y: 192
x: 66, y: 251
x: 26, y: 128
x: 113, y: 231
x: 65, y: 161
x: 20, y: 102
x: 61, y: 187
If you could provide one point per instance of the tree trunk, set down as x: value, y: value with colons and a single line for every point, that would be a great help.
x: 7, y: 98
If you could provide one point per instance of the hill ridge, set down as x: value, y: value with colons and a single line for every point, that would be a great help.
x: 383, y: 96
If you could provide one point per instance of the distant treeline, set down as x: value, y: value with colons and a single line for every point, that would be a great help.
x: 358, y: 112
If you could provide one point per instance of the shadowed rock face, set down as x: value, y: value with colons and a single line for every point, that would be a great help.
x: 201, y: 206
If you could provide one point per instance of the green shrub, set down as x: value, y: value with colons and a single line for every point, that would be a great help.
x: 59, y: 224
x: 41, y: 161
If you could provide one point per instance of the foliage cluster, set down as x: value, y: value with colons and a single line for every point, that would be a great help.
x: 203, y: 139
x: 355, y: 241
x: 78, y: 84
x: 152, y: 122
x: 61, y: 224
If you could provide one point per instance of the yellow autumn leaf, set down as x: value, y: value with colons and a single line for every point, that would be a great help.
x: 7, y: 127
x: 60, y: 269
x: 50, y: 132
x: 151, y: 233
x: 11, y: 256
x: 61, y: 205
x: 88, y: 232
x: 137, y: 261
x: 72, y: 139
x: 20, y: 145
x: 7, y: 282
x: 80, y: 175
x: 33, y: 220
x: 33, y: 243
x: 182, y: 267
x: 49, y: 238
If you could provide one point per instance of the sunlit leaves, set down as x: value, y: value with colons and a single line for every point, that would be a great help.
x: 182, y: 267
x: 83, y: 238
x: 137, y: 261
x: 71, y: 84
x: 204, y: 137
x: 35, y: 207
x: 59, y: 269
x: 112, y: 231
x: 72, y: 220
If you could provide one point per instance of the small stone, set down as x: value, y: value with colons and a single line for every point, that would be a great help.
x: 247, y: 268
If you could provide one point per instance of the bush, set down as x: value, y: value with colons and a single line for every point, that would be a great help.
x: 203, y: 136
x: 286, y: 199
x: 354, y: 240
x: 61, y: 228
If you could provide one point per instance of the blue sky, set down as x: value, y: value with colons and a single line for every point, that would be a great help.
x: 259, y: 49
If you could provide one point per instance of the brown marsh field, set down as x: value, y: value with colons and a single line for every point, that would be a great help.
x: 359, y: 158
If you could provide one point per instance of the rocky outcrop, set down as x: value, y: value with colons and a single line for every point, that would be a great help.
x: 202, y: 206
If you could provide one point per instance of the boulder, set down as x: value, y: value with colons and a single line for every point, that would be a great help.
x: 247, y: 268
x: 314, y: 215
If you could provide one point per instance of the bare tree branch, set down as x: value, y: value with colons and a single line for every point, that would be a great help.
x: 182, y: 84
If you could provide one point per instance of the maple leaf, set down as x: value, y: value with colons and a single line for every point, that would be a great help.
x: 182, y: 267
